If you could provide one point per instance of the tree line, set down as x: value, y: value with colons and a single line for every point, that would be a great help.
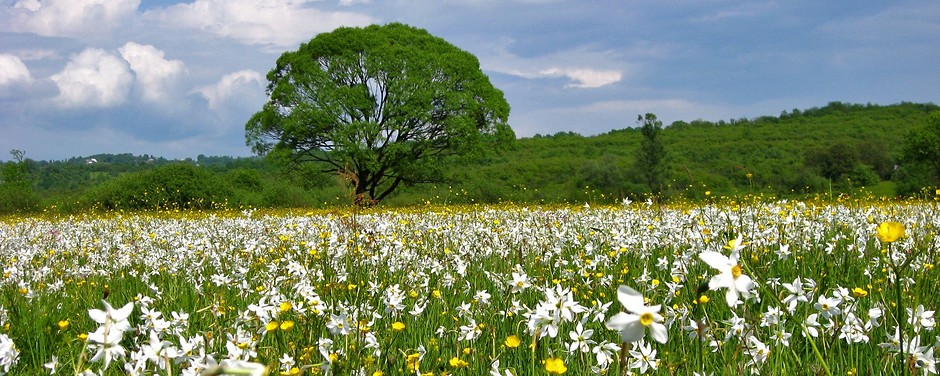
x: 838, y: 148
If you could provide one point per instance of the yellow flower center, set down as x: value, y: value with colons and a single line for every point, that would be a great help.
x: 646, y: 319
x: 736, y: 271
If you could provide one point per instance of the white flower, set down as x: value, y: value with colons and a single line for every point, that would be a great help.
x: 920, y: 318
x: 9, y: 355
x: 828, y: 307
x: 520, y: 281
x: 730, y: 274
x: 605, y: 352
x: 758, y: 350
x: 632, y: 324
x: 644, y: 357
x: 797, y: 294
x: 580, y: 339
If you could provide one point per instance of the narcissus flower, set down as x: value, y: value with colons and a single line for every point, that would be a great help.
x: 890, y: 232
x: 730, y: 274
x: 632, y: 324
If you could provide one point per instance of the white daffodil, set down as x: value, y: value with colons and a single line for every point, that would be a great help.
x: 730, y: 276
x: 638, y: 317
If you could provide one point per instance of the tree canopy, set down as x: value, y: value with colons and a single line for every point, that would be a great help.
x: 381, y: 106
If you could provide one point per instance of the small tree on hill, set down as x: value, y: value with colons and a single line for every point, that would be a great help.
x: 651, y: 155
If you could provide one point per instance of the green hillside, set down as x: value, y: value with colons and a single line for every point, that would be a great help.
x: 836, y: 148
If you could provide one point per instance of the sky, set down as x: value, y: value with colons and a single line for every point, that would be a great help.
x: 180, y: 78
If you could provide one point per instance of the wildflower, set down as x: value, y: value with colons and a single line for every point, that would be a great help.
x: 287, y: 325
x: 106, y: 340
x: 512, y: 342
x: 555, y: 366
x: 859, y: 292
x: 920, y: 318
x: 730, y: 274
x: 644, y: 357
x: 631, y: 325
x: 797, y: 293
x: 9, y: 355
x: 605, y: 352
x: 890, y: 232
x: 53, y: 365
x: 520, y: 281
x: 580, y: 339
x: 272, y: 326
x: 398, y: 326
x: 758, y: 350
x: 828, y: 307
x: 456, y: 362
x: 811, y: 326
x: 63, y: 324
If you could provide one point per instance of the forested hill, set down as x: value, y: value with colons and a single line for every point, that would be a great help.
x: 840, y: 145
x: 836, y: 148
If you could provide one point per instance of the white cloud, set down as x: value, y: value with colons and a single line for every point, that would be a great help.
x: 243, y: 81
x: 93, y: 78
x: 155, y: 74
x: 12, y: 70
x: 584, y: 78
x: 69, y: 18
x: 279, y: 23
x: 584, y: 67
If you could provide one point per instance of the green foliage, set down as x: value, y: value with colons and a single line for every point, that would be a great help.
x: 173, y: 186
x: 779, y: 153
x: 652, y: 153
x: 381, y: 106
x: 922, y: 146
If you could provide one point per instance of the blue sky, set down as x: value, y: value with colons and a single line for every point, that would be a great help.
x: 180, y: 78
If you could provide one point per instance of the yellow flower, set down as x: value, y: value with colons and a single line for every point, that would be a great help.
x: 555, y: 366
x: 512, y: 342
x: 890, y: 232
x: 287, y: 325
x: 398, y: 326
x: 272, y: 326
x: 412, y: 361
x: 702, y: 299
x: 458, y: 363
x: 859, y: 292
x: 378, y: 373
x: 285, y: 306
x: 63, y: 324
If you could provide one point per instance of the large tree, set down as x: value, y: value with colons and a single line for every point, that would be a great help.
x: 381, y: 105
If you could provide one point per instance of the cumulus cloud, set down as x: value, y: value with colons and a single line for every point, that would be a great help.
x: 259, y: 22
x: 155, y: 74
x: 93, y: 78
x: 12, y: 70
x: 70, y: 18
x: 247, y: 82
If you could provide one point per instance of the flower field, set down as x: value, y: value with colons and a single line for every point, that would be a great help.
x: 780, y: 287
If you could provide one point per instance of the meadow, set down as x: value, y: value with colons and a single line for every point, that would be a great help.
x: 734, y: 286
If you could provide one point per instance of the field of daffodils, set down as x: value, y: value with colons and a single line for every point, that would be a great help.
x: 736, y: 287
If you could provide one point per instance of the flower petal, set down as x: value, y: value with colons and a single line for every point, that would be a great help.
x: 715, y: 260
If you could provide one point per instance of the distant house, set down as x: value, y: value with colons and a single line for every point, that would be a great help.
x: 91, y: 161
